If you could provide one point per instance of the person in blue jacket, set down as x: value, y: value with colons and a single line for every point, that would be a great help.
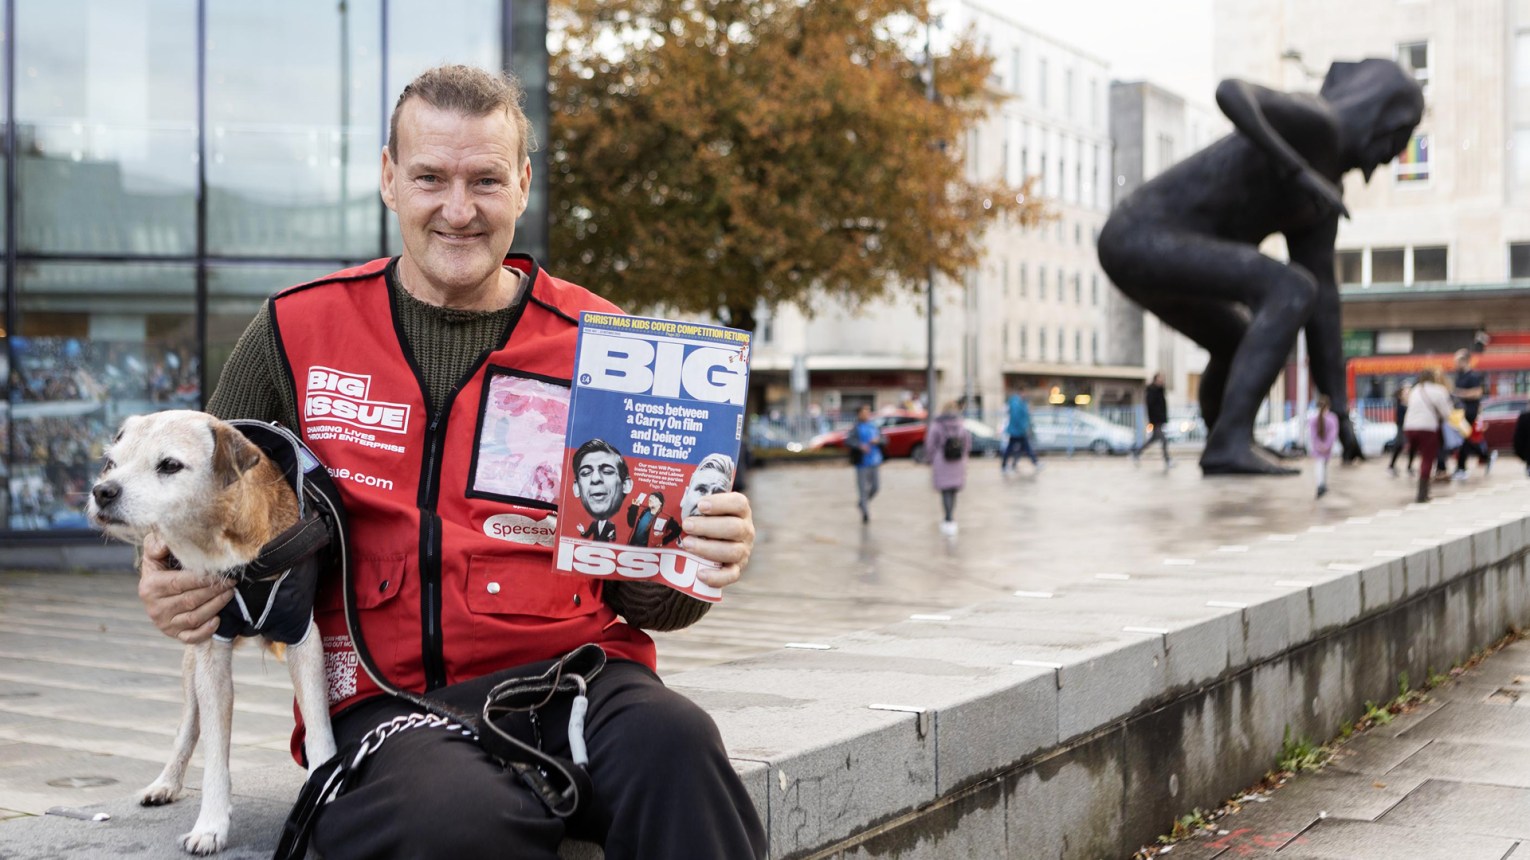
x: 1019, y: 430
x: 867, y: 440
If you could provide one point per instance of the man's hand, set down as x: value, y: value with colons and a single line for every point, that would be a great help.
x: 723, y: 532
x: 1320, y: 191
x: 183, y: 605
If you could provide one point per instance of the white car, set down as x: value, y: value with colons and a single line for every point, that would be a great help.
x: 1072, y: 430
x: 1288, y: 438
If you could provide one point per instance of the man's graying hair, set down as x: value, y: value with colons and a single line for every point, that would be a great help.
x: 469, y: 91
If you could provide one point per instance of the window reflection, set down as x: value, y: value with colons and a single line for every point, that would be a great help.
x: 293, y: 107
x: 235, y: 294
x: 106, y: 126
x: 95, y: 344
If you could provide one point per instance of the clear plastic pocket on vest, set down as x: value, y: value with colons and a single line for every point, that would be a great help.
x: 507, y: 586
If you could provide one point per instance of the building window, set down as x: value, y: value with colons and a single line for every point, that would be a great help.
x: 1068, y: 93
x: 1041, y: 283
x: 1023, y: 285
x: 1431, y: 264
x: 1094, y: 348
x: 1413, y: 164
x: 1165, y: 152
x: 1348, y: 266
x: 1387, y: 265
x: 1004, y: 276
x: 1041, y: 343
x: 1519, y: 260
x: 1062, y: 344
x: 1062, y: 287
x: 1006, y: 342
x: 1078, y: 289
x: 1078, y: 347
x: 1014, y: 71
x: 1414, y: 58
x: 1041, y: 83
x: 1094, y: 290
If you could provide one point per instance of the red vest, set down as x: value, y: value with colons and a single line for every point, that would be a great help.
x: 451, y: 515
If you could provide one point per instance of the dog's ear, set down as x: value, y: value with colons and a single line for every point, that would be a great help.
x: 233, y: 454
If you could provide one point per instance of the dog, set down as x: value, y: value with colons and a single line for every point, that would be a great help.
x: 214, y: 499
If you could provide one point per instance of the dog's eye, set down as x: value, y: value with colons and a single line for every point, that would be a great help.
x: 168, y: 466
x: 108, y: 466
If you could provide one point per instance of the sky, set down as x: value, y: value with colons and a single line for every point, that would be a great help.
x: 1164, y: 41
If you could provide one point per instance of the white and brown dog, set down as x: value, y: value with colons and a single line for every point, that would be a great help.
x: 215, y: 499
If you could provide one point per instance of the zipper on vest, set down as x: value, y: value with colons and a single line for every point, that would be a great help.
x: 432, y: 647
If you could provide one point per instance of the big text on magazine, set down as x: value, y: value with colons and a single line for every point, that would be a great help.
x: 654, y: 425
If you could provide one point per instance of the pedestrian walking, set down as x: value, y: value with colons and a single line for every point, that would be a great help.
x: 866, y: 454
x: 1019, y: 430
x: 1157, y: 420
x: 1429, y: 406
x: 1322, y: 432
x: 948, y: 442
x: 1400, y: 441
x: 1468, y: 390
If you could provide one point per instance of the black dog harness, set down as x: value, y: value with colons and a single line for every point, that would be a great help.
x: 275, y: 594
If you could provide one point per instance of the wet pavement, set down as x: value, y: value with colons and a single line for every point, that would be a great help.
x: 89, y: 691
x: 817, y: 571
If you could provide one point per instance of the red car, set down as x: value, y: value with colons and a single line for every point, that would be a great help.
x: 1498, y: 415
x: 902, y: 433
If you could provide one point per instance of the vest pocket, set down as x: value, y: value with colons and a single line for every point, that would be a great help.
x: 497, y: 585
x: 377, y: 580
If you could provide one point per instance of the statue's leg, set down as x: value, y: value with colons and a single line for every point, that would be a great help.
x: 1177, y: 274
x: 1217, y: 328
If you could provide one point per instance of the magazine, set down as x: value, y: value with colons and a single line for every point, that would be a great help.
x: 654, y: 424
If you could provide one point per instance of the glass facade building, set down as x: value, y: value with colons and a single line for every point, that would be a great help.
x: 166, y: 165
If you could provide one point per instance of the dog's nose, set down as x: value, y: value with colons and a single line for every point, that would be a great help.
x: 106, y: 492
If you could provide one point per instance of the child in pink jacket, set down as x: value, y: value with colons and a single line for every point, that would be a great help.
x: 1322, y: 432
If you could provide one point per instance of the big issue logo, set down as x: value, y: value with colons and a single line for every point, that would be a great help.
x: 337, y: 395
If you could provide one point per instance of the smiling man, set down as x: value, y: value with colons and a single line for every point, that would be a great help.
x: 387, y: 370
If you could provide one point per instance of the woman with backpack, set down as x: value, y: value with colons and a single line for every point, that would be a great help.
x: 948, y: 442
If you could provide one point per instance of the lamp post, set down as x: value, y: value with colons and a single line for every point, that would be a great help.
x: 929, y: 297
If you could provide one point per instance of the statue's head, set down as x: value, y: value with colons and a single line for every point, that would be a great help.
x: 1378, y: 105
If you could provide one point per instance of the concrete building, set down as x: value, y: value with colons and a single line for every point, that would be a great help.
x: 1438, y: 248
x: 1151, y: 129
x: 1038, y: 308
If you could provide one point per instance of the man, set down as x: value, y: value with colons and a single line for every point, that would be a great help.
x: 866, y: 439
x: 1157, y: 420
x: 713, y: 475
x: 446, y: 608
x: 601, y: 484
x: 1185, y: 245
x: 649, y: 526
x: 1468, y: 392
x: 1522, y: 437
x: 1019, y: 430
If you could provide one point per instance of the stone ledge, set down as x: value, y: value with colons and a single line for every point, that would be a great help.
x: 1051, y: 722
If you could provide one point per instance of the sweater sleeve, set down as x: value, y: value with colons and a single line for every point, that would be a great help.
x: 650, y: 606
x: 253, y: 384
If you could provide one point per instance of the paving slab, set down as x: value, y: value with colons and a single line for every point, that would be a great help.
x: 1489, y: 810
x: 1473, y: 722
x: 1340, y: 839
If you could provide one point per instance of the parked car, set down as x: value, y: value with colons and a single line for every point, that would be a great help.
x: 1288, y: 438
x: 1072, y: 430
x: 901, y: 430
x: 763, y: 435
x: 1498, y: 415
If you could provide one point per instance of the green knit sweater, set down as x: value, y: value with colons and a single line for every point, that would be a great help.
x: 446, y: 343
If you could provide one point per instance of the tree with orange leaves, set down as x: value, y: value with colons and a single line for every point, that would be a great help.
x: 710, y: 155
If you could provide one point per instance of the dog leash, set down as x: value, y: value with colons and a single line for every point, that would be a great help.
x: 561, y: 784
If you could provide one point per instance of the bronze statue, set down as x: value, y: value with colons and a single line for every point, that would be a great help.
x: 1185, y: 245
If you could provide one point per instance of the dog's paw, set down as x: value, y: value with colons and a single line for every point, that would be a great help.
x: 158, y: 794
x: 204, y: 842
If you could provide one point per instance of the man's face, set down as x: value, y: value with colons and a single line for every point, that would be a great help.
x: 457, y: 187
x: 704, y: 482
x: 654, y: 503
x: 863, y: 414
x: 1463, y: 362
x: 598, y: 484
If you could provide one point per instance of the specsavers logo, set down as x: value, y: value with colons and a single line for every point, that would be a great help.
x: 335, y: 395
x: 522, y: 529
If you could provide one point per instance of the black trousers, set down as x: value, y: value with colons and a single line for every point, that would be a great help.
x: 662, y: 781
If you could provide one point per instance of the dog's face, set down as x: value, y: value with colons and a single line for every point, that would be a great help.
x: 167, y: 472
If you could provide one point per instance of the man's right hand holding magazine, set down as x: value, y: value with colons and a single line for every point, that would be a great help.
x: 723, y: 532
